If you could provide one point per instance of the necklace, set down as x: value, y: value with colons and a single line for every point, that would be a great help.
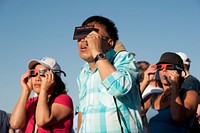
x: 165, y: 97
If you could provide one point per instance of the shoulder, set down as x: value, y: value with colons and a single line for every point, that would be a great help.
x: 3, y: 114
x: 4, y: 120
x: 191, y: 99
x: 191, y: 83
x: 192, y: 78
x: 125, y: 61
x: 189, y: 95
x: 64, y: 99
x: 124, y: 56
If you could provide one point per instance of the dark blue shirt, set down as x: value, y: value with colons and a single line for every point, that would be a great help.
x: 192, y: 83
x: 4, y: 122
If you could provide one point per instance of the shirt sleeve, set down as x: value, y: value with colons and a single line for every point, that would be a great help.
x: 120, y: 82
x: 64, y: 100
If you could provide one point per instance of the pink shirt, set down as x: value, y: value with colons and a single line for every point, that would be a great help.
x: 64, y: 126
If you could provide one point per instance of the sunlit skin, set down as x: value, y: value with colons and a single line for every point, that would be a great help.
x: 149, y: 75
x: 37, y: 82
x: 172, y: 76
x: 45, y: 82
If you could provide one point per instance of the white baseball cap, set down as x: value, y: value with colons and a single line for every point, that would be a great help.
x: 49, y: 63
x: 184, y: 57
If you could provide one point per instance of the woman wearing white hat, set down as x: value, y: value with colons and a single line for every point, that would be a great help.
x: 52, y: 110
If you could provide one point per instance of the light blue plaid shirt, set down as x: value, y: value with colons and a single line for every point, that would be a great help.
x: 96, y: 101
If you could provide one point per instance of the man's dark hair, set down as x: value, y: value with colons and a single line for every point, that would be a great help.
x: 109, y: 26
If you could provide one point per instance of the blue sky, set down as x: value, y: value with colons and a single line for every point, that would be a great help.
x: 31, y: 29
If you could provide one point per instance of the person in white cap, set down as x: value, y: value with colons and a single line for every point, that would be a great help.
x: 191, y: 83
x: 52, y: 109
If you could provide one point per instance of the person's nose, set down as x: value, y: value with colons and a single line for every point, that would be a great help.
x: 38, y: 78
x: 164, y: 70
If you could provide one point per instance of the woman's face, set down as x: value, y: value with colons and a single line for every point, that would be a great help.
x: 38, y: 78
x: 172, y: 75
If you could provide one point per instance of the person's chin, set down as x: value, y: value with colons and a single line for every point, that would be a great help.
x: 85, y: 56
x: 36, y: 90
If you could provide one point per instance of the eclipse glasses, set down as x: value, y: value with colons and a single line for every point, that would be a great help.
x: 34, y: 72
x: 167, y: 67
x: 82, y: 31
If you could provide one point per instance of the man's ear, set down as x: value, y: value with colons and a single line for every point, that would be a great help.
x: 111, y: 42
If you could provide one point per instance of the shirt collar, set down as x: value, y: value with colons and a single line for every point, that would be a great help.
x: 110, y: 54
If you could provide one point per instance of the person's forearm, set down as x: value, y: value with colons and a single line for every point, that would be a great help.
x: 18, y: 116
x: 176, y: 106
x: 181, y: 109
x: 117, y: 82
x: 105, y: 68
x: 79, y: 120
x: 42, y: 110
x: 143, y: 85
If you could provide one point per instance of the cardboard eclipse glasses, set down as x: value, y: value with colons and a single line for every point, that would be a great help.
x: 167, y: 67
x: 34, y: 72
x: 82, y: 31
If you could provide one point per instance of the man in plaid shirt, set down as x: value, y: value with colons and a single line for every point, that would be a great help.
x: 107, y: 77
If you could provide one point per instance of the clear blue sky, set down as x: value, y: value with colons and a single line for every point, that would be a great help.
x: 36, y: 28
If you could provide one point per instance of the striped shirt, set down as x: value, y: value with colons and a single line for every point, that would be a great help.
x: 96, y: 101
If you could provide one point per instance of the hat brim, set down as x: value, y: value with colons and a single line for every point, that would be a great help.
x: 33, y: 63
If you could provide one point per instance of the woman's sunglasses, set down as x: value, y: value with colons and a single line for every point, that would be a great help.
x: 34, y: 72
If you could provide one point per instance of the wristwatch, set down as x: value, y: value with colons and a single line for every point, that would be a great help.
x: 100, y: 56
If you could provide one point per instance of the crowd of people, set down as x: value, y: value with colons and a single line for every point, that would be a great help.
x: 116, y: 92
